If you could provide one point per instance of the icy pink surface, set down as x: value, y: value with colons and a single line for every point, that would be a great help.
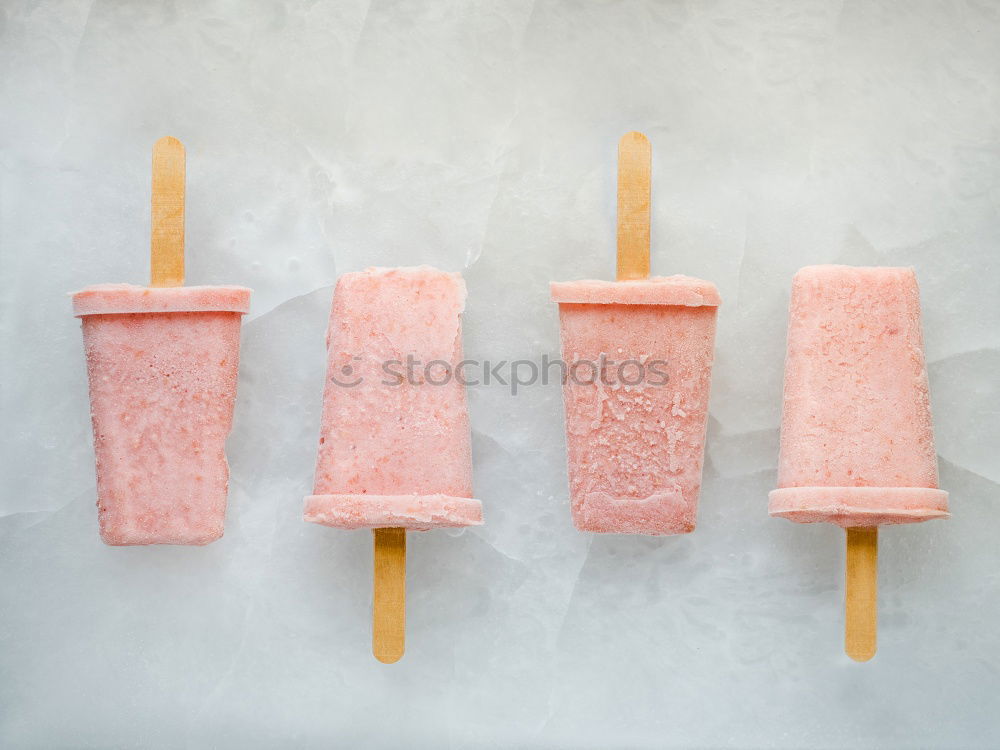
x: 394, y: 449
x: 859, y: 506
x: 856, y: 408
x: 414, y: 512
x: 162, y: 387
x: 635, y: 451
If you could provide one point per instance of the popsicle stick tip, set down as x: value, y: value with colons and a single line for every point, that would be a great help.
x: 634, y: 137
x: 168, y: 141
x: 387, y: 656
x: 860, y: 654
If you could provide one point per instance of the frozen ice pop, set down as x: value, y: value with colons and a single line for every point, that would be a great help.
x: 162, y: 369
x: 857, y: 447
x: 639, y: 359
x: 635, y: 450
x: 395, y: 450
x: 161, y: 363
x: 395, y: 446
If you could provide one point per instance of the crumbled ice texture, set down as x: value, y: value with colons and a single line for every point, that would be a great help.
x: 326, y: 137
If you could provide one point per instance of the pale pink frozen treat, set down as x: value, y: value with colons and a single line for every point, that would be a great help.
x: 162, y: 369
x: 395, y: 448
x: 856, y: 442
x: 639, y: 363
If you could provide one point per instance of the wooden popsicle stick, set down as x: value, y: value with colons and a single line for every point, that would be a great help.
x: 167, y: 226
x: 634, y: 170
x: 389, y: 596
x: 861, y: 594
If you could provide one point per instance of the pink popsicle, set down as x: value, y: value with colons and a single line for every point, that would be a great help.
x: 395, y: 447
x: 162, y: 366
x: 636, y: 436
x: 857, y: 447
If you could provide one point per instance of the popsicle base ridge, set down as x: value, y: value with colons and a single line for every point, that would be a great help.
x: 121, y: 299
x: 660, y: 514
x: 859, y: 506
x: 685, y: 291
x: 411, y: 512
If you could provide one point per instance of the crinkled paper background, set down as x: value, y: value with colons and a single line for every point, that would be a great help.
x: 324, y: 137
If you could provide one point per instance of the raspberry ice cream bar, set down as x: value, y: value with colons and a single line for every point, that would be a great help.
x: 395, y: 446
x: 161, y: 364
x: 639, y: 362
x: 857, y: 447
